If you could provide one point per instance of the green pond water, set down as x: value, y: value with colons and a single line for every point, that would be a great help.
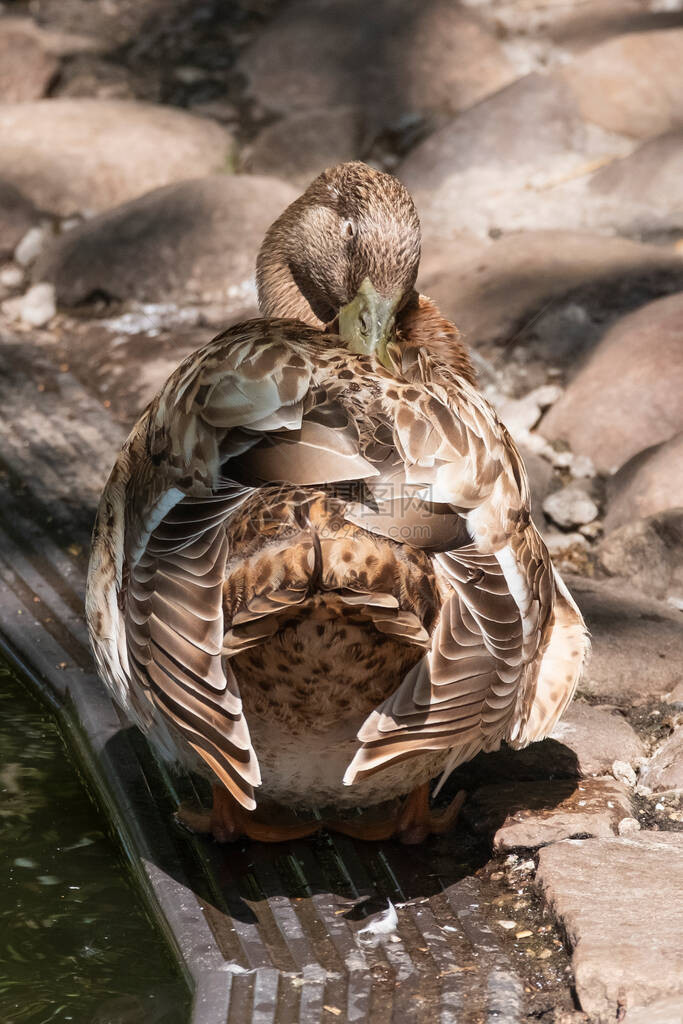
x: 76, y: 943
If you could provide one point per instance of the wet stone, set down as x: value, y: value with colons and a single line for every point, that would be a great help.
x: 613, y: 897
x: 532, y: 814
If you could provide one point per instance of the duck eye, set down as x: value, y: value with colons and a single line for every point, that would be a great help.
x: 348, y: 229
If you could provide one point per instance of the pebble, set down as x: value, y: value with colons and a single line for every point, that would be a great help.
x: 623, y: 772
x: 11, y: 276
x: 570, y: 507
x: 558, y: 542
x: 592, y: 530
x: 581, y: 467
x: 38, y: 305
x: 31, y: 246
x: 628, y: 826
x: 522, y: 414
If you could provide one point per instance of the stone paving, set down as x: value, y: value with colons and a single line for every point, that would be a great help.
x: 147, y: 146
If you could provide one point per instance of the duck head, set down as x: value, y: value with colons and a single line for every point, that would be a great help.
x: 347, y: 250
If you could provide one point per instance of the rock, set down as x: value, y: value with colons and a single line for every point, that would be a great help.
x: 631, y: 84
x: 563, y: 546
x: 386, y: 60
x: 650, y: 482
x: 574, y: 25
x: 581, y: 467
x: 70, y: 155
x: 26, y: 67
x: 38, y: 306
x: 503, y: 164
x: 598, y: 736
x: 60, y: 42
x: 11, y: 276
x: 676, y: 696
x: 298, y: 147
x: 570, y: 162
x: 522, y: 414
x: 623, y: 772
x: 570, y: 506
x: 192, y: 241
x: 602, y: 413
x: 540, y: 474
x: 637, y: 643
x: 30, y: 246
x: 553, y: 290
x: 532, y: 814
x: 664, y: 1011
x: 648, y: 552
x: 641, y: 195
x: 613, y: 897
x: 17, y: 216
x: 664, y: 771
x: 628, y: 827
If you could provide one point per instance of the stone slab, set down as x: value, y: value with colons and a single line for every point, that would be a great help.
x: 617, y: 899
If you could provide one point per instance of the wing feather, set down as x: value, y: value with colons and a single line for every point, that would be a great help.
x: 478, y: 683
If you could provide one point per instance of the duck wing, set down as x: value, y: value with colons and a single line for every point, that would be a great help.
x: 243, y: 415
x: 509, y: 643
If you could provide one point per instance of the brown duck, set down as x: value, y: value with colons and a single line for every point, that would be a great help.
x: 313, y: 576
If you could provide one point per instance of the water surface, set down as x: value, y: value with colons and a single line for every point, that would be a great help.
x: 76, y: 943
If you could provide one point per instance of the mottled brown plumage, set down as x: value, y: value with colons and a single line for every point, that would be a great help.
x: 315, y: 571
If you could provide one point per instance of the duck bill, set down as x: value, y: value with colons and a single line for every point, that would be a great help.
x: 366, y: 324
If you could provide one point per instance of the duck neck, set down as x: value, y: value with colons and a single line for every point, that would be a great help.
x: 278, y: 292
x: 421, y: 323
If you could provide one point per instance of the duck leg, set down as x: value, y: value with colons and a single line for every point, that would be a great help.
x: 412, y: 824
x: 228, y: 821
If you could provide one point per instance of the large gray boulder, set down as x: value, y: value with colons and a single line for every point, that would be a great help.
x: 552, y: 290
x: 627, y: 396
x: 192, y: 242
x: 85, y: 155
x: 631, y: 84
x: 637, y: 643
x: 650, y: 482
x: 537, y: 154
x: 498, y: 166
x: 648, y: 553
x: 363, y: 68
